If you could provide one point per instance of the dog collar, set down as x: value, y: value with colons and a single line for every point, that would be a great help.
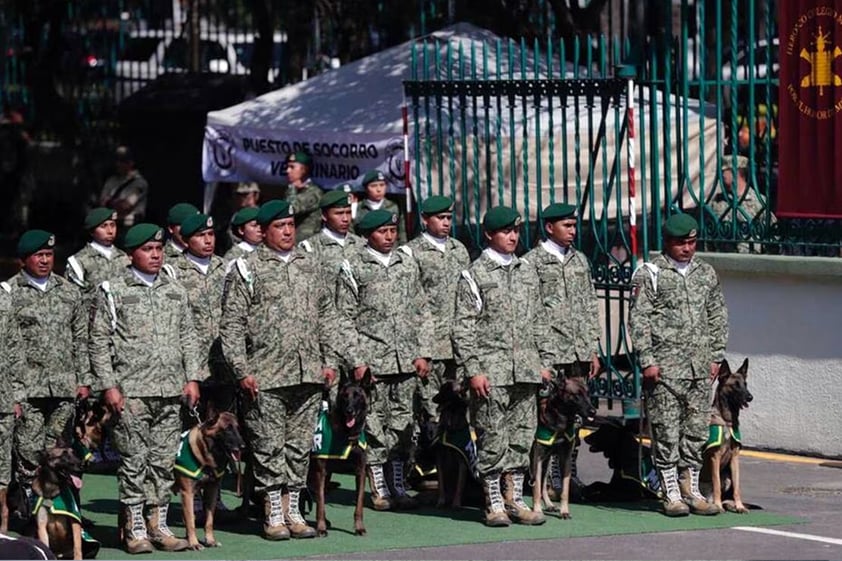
x: 546, y: 436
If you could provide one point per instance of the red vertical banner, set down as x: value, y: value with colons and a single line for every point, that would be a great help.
x: 810, y: 108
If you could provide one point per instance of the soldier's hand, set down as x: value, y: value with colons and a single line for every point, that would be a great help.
x: 714, y: 370
x: 480, y: 385
x: 83, y: 392
x: 114, y: 399
x: 546, y: 374
x: 595, y: 366
x: 249, y: 385
x: 191, y: 393
x: 651, y: 376
x: 422, y: 367
x: 18, y: 409
x: 329, y: 376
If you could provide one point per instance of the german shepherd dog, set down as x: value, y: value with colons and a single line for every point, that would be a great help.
x: 212, y: 444
x: 347, y: 424
x: 630, y: 481
x: 722, y: 453
x: 451, y: 460
x: 561, y: 406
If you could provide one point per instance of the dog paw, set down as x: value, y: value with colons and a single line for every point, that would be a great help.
x: 360, y: 531
x: 196, y: 546
x: 321, y: 533
x: 210, y: 543
x: 565, y: 516
x: 734, y: 507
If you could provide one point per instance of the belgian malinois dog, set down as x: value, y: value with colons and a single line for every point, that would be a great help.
x: 722, y: 452
x: 452, y: 459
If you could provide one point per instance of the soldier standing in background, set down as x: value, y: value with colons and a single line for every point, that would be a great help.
x: 278, y: 329
x: 303, y: 195
x: 99, y: 260
x: 679, y: 329
x: 498, y: 339
x: 53, y: 323
x: 12, y: 389
x: 379, y: 290
x: 375, y: 187
x: 175, y: 246
x: 245, y: 227
x: 146, y: 358
x: 440, y: 260
x: 125, y: 191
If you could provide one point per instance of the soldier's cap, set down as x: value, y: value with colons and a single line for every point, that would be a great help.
x: 99, y: 215
x: 376, y: 219
x: 337, y: 198
x: 300, y: 157
x: 244, y: 215
x: 500, y: 217
x: 558, y: 211
x: 436, y: 204
x: 372, y: 176
x: 246, y: 187
x: 681, y: 226
x: 33, y: 241
x: 274, y: 210
x: 196, y: 223
x: 728, y: 162
x: 178, y: 212
x: 141, y: 233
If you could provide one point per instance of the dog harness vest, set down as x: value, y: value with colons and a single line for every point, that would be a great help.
x: 464, y: 441
x: 82, y: 452
x: 716, y: 436
x: 327, y: 446
x: 64, y: 504
x: 647, y: 476
x: 187, y: 463
x: 547, y: 437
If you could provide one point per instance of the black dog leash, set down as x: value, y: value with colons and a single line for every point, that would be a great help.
x: 682, y: 400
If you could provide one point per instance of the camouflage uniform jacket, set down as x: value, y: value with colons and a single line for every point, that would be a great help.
x: 679, y: 323
x: 386, y: 307
x: 305, y: 204
x: 440, y: 273
x: 88, y: 267
x: 279, y: 323
x: 53, y: 325
x: 498, y: 330
x: 172, y: 252
x: 12, y: 360
x: 569, y: 301
x: 391, y: 206
x: 143, y: 338
x: 331, y: 254
x: 204, y: 294
x: 235, y: 253
x: 750, y: 209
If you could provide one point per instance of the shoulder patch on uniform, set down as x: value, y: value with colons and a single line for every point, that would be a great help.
x: 653, y: 271
x: 105, y: 286
x: 306, y: 246
x: 77, y: 273
x: 6, y: 286
x: 169, y: 270
x: 406, y: 250
x: 346, y: 270
x: 472, y: 284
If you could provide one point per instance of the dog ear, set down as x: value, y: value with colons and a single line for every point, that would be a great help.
x: 724, y: 370
x: 743, y: 369
x: 366, y: 382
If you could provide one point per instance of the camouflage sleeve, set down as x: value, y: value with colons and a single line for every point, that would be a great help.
x: 466, y: 349
x: 592, y: 307
x: 717, y: 314
x: 347, y: 304
x: 640, y: 318
x: 337, y: 336
x: 79, y: 323
x: 99, y: 344
x: 233, y: 327
x: 308, y: 200
x: 15, y: 360
x: 191, y: 355
x: 541, y: 331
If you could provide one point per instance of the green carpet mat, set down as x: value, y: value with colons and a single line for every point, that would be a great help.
x: 424, y: 527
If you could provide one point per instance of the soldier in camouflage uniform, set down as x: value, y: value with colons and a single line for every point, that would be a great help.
x: 379, y: 290
x: 569, y: 301
x: 303, y: 195
x: 244, y: 225
x: 278, y: 332
x: 53, y: 323
x: 99, y: 260
x: 146, y: 358
x: 12, y: 389
x: 499, y: 340
x: 441, y: 259
x: 375, y: 187
x: 175, y: 246
x: 679, y: 329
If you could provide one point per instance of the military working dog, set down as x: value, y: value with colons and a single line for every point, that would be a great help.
x: 456, y: 450
x: 633, y: 474
x: 722, y: 451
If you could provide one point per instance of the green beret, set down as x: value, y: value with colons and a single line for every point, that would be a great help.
x: 335, y: 198
x: 33, y: 241
x: 558, y: 211
x: 194, y: 224
x: 139, y: 234
x: 179, y: 212
x: 681, y: 226
x: 500, y: 217
x: 99, y: 215
x: 273, y: 210
x: 244, y: 215
x: 436, y: 204
x: 301, y: 158
x: 372, y: 176
x: 375, y: 219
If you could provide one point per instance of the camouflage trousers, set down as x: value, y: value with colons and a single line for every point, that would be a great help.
x: 7, y: 427
x: 428, y: 387
x: 41, y: 424
x: 147, y: 436
x: 279, y: 427
x: 390, y: 422
x: 505, y: 423
x: 679, y: 427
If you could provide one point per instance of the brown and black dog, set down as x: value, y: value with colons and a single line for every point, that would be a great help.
x: 561, y: 405
x: 722, y: 452
x: 633, y: 477
x: 204, y: 453
x: 342, y: 438
x: 456, y: 449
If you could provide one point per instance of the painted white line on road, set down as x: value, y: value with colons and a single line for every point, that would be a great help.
x: 796, y: 535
